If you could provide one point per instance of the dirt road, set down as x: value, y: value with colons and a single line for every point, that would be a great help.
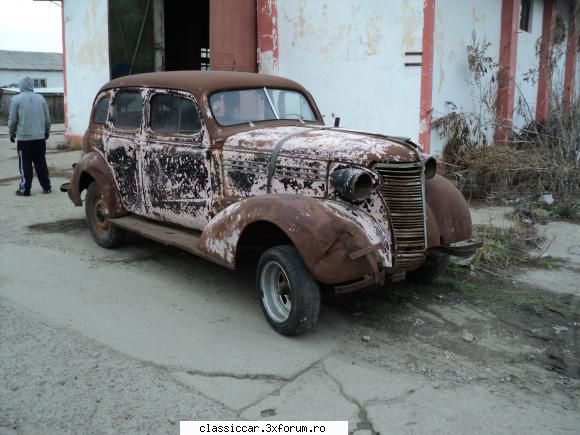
x: 136, y: 339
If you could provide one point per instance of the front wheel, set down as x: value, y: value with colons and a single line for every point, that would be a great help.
x: 104, y: 233
x: 289, y: 295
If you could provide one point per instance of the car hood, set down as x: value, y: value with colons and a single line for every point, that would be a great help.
x: 325, y: 144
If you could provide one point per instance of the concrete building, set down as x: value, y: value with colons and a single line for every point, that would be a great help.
x: 381, y: 65
x: 46, y: 69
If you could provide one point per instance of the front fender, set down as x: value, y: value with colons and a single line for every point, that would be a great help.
x: 337, y: 242
x: 94, y: 165
x: 448, y: 216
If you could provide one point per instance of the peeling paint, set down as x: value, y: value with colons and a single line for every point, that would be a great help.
x: 411, y: 18
x: 374, y: 35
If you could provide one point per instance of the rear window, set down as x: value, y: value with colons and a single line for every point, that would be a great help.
x: 127, y: 110
x: 174, y: 114
x: 100, y: 115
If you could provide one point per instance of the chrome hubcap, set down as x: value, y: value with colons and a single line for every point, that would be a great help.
x: 275, y: 288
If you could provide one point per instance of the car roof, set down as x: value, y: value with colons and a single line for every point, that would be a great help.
x: 202, y: 82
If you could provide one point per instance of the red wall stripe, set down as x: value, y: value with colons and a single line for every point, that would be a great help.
x: 570, y: 69
x: 426, y: 103
x: 267, y: 29
x: 545, y: 72
x: 510, y: 14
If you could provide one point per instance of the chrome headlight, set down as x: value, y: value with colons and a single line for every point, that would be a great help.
x: 354, y: 184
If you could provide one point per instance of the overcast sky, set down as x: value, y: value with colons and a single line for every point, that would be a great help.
x: 28, y: 25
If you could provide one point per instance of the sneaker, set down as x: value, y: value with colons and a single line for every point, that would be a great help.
x: 47, y: 191
x: 21, y: 193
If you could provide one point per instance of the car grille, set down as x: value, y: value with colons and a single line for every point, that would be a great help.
x: 403, y: 191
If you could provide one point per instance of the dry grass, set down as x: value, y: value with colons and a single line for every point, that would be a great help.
x: 540, y: 159
x: 505, y: 247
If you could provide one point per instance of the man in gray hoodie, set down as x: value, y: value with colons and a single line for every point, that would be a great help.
x: 29, y: 124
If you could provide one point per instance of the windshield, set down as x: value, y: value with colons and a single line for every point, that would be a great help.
x: 262, y: 104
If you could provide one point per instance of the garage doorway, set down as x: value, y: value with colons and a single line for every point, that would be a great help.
x: 186, y: 35
x: 166, y: 35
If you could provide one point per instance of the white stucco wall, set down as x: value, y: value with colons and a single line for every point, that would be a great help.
x: 526, y: 92
x: 86, y: 57
x: 54, y: 79
x: 350, y: 55
x: 454, y: 23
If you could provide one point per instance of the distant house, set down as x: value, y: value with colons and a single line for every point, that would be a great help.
x: 53, y: 96
x: 46, y: 69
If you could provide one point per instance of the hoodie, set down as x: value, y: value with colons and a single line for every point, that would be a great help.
x: 29, y: 118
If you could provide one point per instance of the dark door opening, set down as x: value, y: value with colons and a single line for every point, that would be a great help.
x: 130, y: 37
x: 186, y: 35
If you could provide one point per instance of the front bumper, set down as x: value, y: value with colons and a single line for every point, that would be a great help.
x: 462, y: 249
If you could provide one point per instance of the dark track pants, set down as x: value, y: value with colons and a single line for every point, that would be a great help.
x: 32, y: 152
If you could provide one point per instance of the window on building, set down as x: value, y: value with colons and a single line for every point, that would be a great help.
x: 100, y: 116
x: 526, y: 16
x: 128, y: 107
x: 39, y: 83
x: 204, y: 65
x: 174, y: 114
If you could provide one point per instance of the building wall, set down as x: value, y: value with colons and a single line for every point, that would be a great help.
x: 351, y: 56
x: 54, y: 79
x: 86, y: 59
x: 451, y: 74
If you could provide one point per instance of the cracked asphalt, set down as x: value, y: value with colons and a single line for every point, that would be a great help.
x: 136, y: 339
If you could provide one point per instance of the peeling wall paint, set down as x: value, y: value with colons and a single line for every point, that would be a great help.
x: 351, y: 56
x: 87, y: 58
x: 450, y: 68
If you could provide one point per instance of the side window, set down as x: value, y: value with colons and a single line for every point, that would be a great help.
x: 101, y: 109
x: 127, y: 110
x: 174, y: 114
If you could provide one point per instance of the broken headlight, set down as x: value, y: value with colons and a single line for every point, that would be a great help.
x: 354, y: 184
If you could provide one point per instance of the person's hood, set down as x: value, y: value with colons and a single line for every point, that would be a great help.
x: 26, y: 85
x: 326, y: 144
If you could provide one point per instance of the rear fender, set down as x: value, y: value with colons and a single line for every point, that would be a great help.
x: 94, y: 165
x: 337, y: 242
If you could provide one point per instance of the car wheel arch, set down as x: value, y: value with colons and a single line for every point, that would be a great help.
x: 323, y: 239
x: 93, y: 167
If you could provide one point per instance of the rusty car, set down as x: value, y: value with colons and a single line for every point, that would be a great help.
x: 217, y: 162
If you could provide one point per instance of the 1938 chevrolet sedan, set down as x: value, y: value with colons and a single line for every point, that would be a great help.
x: 214, y: 162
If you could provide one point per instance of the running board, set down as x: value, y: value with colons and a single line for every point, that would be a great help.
x: 169, y: 236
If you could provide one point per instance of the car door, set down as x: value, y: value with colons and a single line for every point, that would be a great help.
x: 176, y: 162
x: 123, y: 146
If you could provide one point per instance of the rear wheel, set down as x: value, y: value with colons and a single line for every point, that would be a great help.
x: 433, y: 267
x: 289, y: 295
x: 104, y: 233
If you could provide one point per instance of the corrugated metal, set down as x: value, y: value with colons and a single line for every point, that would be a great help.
x: 30, y: 61
x: 233, y: 35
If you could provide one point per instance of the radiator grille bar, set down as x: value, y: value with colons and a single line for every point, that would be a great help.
x: 403, y: 190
